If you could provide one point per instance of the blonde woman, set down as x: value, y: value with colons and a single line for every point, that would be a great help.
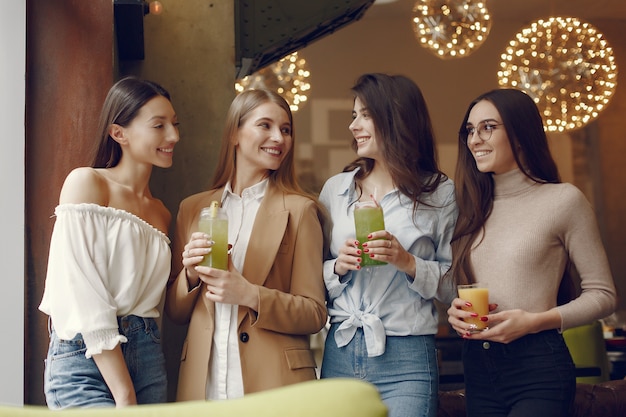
x: 249, y: 326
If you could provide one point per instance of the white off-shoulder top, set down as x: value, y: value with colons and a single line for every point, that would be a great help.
x: 103, y: 263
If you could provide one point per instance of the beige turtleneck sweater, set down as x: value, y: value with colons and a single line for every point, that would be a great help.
x: 528, y: 237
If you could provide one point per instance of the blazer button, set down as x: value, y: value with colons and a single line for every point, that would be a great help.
x: 244, y: 337
x: 486, y: 345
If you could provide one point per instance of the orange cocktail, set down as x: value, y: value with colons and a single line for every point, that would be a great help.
x: 478, y: 296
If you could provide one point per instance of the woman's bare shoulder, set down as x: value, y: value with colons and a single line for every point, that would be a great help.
x: 84, y: 185
x: 159, y: 215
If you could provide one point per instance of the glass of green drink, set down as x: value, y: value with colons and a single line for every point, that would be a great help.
x: 214, y: 222
x: 368, y: 218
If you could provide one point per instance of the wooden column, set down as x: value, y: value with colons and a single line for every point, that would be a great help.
x: 69, y: 55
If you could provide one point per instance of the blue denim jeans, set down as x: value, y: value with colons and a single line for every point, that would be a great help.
x: 72, y: 380
x: 532, y: 376
x: 406, y: 375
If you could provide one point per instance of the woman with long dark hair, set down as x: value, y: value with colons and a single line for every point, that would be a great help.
x: 110, y: 259
x: 519, y: 231
x: 383, y: 318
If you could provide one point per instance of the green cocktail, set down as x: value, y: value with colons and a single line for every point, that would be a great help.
x: 214, y: 223
x: 368, y: 218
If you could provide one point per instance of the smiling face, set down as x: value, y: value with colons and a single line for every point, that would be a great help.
x: 152, y: 134
x: 364, y: 131
x: 495, y: 154
x: 263, y: 140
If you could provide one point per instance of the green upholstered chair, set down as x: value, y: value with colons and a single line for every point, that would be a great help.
x: 587, y: 347
x: 327, y: 397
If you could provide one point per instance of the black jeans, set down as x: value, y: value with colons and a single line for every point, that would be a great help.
x: 532, y: 376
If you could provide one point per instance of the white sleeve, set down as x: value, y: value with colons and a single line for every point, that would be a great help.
x: 75, y: 294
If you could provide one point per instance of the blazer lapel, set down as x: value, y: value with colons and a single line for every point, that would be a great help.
x: 267, y: 234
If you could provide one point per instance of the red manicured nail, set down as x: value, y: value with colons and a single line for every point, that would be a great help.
x: 474, y: 314
x: 468, y: 304
x: 483, y: 318
x: 369, y: 236
x: 358, y: 252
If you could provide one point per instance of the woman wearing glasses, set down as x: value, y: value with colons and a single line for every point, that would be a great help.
x: 519, y: 231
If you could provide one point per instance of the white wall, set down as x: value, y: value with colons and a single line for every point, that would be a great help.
x: 12, y: 169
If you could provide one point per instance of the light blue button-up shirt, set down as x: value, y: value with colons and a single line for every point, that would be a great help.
x: 381, y: 299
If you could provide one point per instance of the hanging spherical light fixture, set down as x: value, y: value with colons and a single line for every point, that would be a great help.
x: 288, y: 77
x: 451, y: 28
x: 566, y: 66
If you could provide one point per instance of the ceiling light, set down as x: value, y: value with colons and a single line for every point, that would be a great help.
x: 566, y: 66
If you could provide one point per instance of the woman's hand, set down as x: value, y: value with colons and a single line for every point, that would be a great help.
x: 198, y: 246
x: 349, y: 258
x: 504, y: 326
x: 383, y: 246
x: 509, y: 325
x: 457, y: 316
x: 228, y: 287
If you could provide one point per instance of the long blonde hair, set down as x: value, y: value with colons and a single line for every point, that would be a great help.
x: 242, y: 106
x: 284, y: 178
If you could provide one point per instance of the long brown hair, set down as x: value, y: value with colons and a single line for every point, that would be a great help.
x: 284, y: 178
x: 475, y: 190
x: 121, y: 105
x: 240, y: 109
x: 402, y: 122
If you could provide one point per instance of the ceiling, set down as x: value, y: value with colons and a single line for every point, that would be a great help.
x: 509, y: 9
x: 267, y: 30
x: 270, y: 29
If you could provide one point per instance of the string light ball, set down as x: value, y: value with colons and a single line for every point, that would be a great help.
x: 451, y: 28
x: 566, y: 66
x: 289, y: 77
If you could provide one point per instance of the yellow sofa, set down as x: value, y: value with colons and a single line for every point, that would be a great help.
x: 587, y: 346
x: 326, y: 397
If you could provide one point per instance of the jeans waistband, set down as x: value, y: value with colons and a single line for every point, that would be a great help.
x: 124, y: 323
x: 127, y: 324
x: 523, y: 343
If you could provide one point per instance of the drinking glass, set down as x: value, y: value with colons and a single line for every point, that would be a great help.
x: 368, y: 218
x: 478, y: 295
x: 214, y: 222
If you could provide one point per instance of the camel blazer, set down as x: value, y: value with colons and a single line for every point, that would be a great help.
x: 284, y: 258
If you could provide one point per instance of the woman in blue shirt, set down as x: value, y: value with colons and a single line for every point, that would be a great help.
x: 383, y: 319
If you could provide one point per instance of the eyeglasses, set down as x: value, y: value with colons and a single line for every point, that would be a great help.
x: 484, y: 130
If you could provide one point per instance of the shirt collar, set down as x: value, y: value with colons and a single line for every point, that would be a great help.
x: 257, y: 191
x: 347, y: 187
